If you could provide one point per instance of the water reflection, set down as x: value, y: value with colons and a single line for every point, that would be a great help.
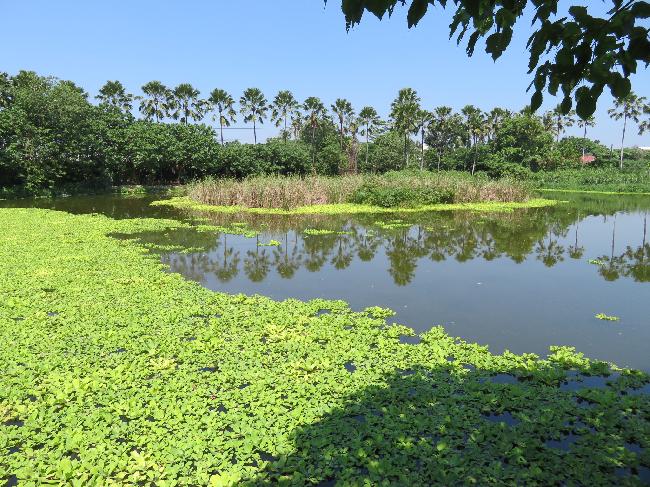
x: 549, y: 237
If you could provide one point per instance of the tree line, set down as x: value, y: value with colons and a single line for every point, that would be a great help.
x: 51, y: 134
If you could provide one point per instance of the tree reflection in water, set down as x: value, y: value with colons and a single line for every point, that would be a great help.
x: 548, y: 235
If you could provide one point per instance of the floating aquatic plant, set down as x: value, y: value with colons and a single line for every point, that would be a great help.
x: 322, y: 231
x: 270, y: 243
x: 596, y: 262
x: 115, y: 373
x: 351, y: 208
x: 603, y: 316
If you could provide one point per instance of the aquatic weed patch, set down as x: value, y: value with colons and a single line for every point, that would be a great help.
x: 116, y: 372
x: 324, y: 231
x: 351, y: 208
x: 603, y: 316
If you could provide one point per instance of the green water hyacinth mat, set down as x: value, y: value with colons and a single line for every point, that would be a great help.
x: 352, y: 208
x: 117, y: 373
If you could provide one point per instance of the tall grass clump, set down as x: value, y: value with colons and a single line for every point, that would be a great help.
x: 394, y: 189
x: 274, y: 191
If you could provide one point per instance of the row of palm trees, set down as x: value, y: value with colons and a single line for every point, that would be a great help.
x: 407, y: 116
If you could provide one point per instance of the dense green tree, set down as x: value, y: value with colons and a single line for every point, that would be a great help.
x: 186, y: 103
x: 630, y: 107
x: 224, y: 104
x: 47, y: 135
x: 343, y: 112
x: 387, y: 151
x: 575, y: 51
x: 253, y: 106
x: 114, y: 94
x: 445, y: 132
x: 522, y: 140
x: 154, y: 104
x: 283, y: 107
x: 370, y: 122
x: 404, y: 115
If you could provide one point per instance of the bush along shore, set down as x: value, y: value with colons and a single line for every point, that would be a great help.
x: 394, y: 191
x: 115, y: 372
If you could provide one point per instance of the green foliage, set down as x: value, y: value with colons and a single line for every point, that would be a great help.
x: 575, y: 52
x: 104, y: 355
x: 379, y: 192
x: 606, y: 179
x: 522, y: 140
x: 47, y: 135
x: 386, y: 153
x: 274, y: 157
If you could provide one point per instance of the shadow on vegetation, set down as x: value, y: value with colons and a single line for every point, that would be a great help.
x: 451, y: 426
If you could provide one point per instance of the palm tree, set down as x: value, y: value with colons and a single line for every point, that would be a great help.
x: 284, y: 104
x: 475, y: 127
x: 315, y: 110
x: 296, y: 123
x: 186, y: 103
x: 224, y: 104
x: 353, y: 149
x: 342, y: 109
x: 442, y: 130
x: 584, y: 123
x: 425, y: 118
x: 114, y: 94
x: 369, y: 119
x: 154, y: 104
x: 562, y: 121
x: 495, y: 119
x: 404, y: 114
x: 253, y: 107
x: 629, y: 107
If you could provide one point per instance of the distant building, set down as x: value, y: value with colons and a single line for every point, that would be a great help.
x: 588, y: 159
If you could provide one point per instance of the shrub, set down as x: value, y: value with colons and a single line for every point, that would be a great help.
x: 386, y: 193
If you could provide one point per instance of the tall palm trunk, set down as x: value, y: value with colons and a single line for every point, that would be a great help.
x: 221, y: 126
x: 341, y: 131
x: 406, y: 154
x: 367, y: 144
x: 313, y: 148
x: 285, y: 128
x: 584, y: 141
x: 474, y: 161
x: 254, y: 131
x: 623, y: 138
x: 422, y: 153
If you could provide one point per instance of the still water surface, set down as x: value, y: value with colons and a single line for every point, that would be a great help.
x: 520, y: 281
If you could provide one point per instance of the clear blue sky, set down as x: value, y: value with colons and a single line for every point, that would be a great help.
x: 271, y: 44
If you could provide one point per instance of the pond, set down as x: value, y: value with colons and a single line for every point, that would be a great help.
x: 519, y: 281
